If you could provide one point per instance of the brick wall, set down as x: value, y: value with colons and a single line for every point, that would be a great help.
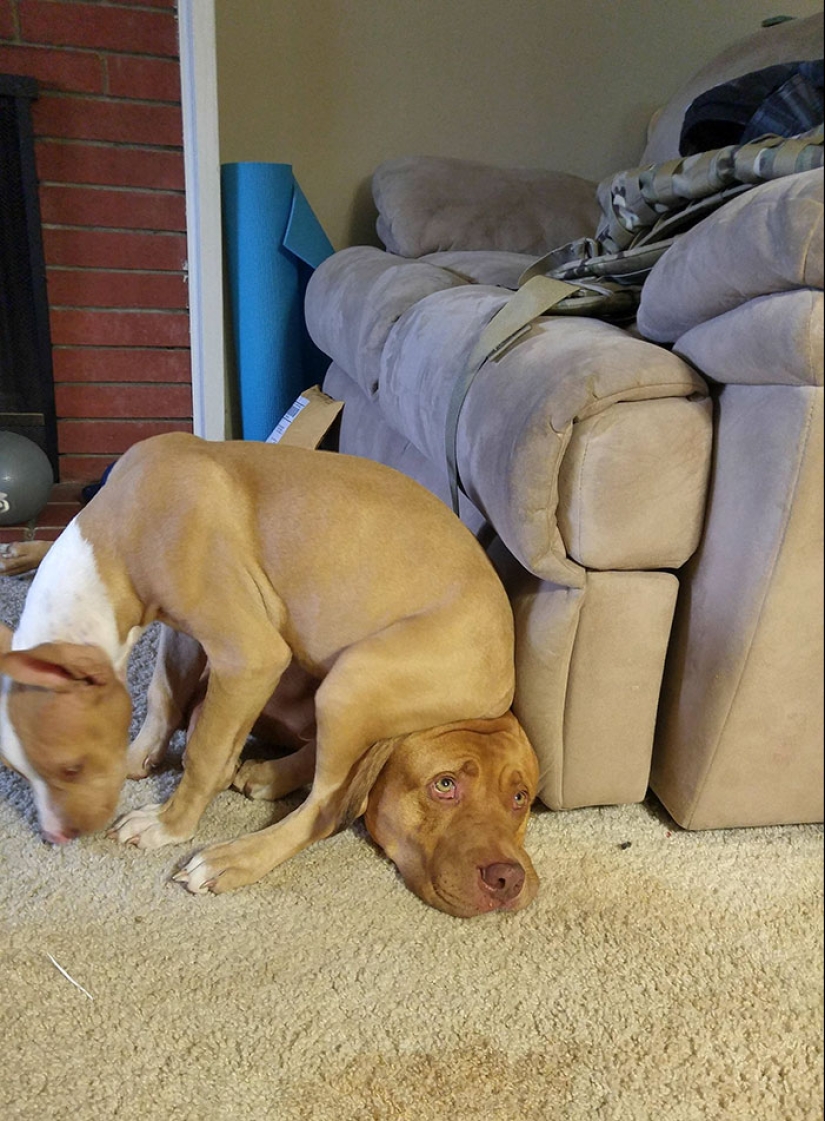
x: 109, y: 156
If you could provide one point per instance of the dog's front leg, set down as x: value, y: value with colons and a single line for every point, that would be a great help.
x: 351, y: 748
x: 178, y: 669
x: 232, y: 704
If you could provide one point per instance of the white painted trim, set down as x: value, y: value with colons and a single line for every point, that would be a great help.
x: 201, y: 157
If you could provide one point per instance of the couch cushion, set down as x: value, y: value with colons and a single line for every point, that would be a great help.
x: 483, y: 266
x: 775, y: 340
x: 792, y: 41
x: 519, y: 415
x: 430, y: 204
x: 769, y: 239
x: 354, y: 298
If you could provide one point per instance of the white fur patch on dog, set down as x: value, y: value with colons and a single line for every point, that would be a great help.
x: 68, y: 602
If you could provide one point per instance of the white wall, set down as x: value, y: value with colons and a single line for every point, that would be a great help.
x: 336, y: 86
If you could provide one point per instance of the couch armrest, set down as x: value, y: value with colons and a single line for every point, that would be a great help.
x: 432, y: 204
x: 766, y: 241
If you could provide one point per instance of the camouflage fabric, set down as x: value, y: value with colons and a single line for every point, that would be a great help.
x: 645, y: 208
x: 635, y: 202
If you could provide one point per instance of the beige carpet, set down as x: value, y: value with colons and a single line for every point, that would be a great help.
x: 660, y: 975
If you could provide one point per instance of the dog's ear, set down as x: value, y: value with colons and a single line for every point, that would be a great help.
x: 361, y: 780
x: 5, y: 638
x: 59, y: 666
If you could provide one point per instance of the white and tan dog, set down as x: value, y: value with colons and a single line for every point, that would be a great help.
x: 392, y: 620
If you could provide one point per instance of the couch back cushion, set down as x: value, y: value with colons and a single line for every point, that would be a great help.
x: 433, y: 204
x: 794, y: 40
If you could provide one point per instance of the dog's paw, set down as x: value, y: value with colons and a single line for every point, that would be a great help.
x: 137, y: 768
x: 142, y: 758
x: 144, y: 827
x: 220, y: 868
x: 21, y: 557
x: 257, y: 779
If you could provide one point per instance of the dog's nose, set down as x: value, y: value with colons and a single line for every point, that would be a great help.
x: 503, y: 881
x: 60, y: 836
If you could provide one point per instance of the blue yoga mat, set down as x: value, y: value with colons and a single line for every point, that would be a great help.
x: 273, y: 242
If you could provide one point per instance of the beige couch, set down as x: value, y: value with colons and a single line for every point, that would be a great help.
x: 614, y: 479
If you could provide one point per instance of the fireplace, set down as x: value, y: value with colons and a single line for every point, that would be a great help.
x: 26, y: 382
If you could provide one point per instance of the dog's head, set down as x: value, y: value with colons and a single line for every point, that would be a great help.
x: 64, y: 725
x: 450, y: 809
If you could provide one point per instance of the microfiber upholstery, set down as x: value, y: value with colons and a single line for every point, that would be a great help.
x: 431, y: 204
x: 778, y: 339
x: 355, y: 299
x: 522, y: 413
x: 769, y: 239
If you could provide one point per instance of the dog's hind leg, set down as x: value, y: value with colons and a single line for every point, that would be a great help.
x: 178, y: 668
x: 271, y: 779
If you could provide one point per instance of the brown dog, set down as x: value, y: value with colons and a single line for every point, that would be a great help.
x: 450, y: 810
x: 268, y: 557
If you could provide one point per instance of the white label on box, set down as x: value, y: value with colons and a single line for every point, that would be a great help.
x: 275, y: 436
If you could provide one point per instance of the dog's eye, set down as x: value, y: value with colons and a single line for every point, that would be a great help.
x: 71, y: 771
x: 520, y: 799
x: 445, y: 786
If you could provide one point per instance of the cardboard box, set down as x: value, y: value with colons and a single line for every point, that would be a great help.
x: 309, y: 421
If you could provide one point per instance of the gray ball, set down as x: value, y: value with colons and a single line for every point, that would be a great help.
x: 26, y: 479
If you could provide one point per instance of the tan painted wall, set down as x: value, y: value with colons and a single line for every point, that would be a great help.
x: 336, y: 86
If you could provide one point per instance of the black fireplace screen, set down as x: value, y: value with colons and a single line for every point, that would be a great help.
x: 26, y: 380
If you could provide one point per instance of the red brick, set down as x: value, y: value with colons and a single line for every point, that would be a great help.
x: 121, y: 209
x: 87, y: 402
x: 99, y: 26
x: 47, y: 534
x: 57, y: 516
x: 66, y: 70
x: 150, y: 79
x: 10, y: 534
x: 76, y: 162
x: 90, y: 288
x: 65, y: 492
x: 83, y: 469
x: 86, y: 118
x: 7, y: 28
x: 110, y: 250
x: 148, y: 3
x: 107, y: 437
x: 80, y: 364
x: 119, y: 328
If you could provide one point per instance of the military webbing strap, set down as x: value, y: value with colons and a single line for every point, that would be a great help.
x: 535, y: 298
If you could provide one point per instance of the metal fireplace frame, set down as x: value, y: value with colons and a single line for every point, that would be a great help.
x: 27, y: 404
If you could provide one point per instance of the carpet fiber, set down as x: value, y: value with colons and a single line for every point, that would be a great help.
x: 659, y: 975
